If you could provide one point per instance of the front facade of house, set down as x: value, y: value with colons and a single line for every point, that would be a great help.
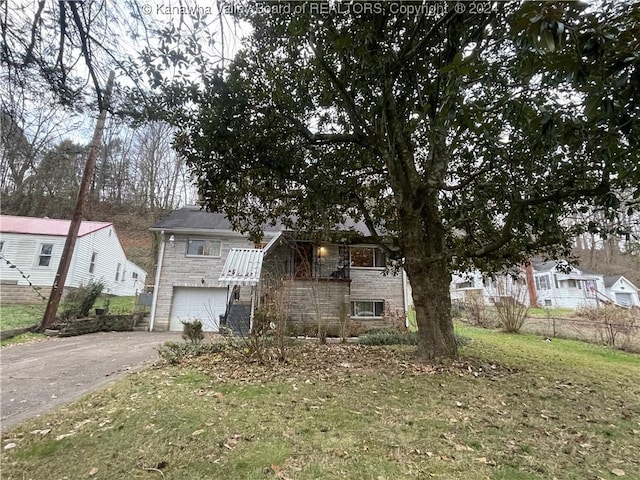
x: 549, y: 284
x: 34, y: 246
x: 204, y: 268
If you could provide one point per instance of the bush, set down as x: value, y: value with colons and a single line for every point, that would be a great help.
x: 174, y: 353
x: 512, y: 314
x: 389, y: 337
x: 192, y: 332
x: 393, y: 337
x: 615, y: 326
x: 79, y: 302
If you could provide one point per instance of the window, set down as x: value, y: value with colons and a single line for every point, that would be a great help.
x: 134, y: 275
x: 368, y: 257
x: 543, y: 283
x: 572, y: 283
x: 367, y: 308
x: 1, y: 246
x: 118, y: 268
x: 203, y: 248
x: 467, y: 284
x: 92, y: 264
x: 46, y: 252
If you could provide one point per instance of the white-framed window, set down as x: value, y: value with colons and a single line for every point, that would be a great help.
x: 572, y: 283
x: 367, y: 308
x: 118, y: 268
x: 543, y: 282
x: 44, y: 254
x: 368, y: 257
x: 467, y: 284
x: 197, y: 247
x: 134, y: 275
x: 92, y: 263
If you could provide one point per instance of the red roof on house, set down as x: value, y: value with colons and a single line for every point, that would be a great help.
x: 45, y: 226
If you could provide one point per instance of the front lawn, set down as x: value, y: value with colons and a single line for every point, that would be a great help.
x: 18, y: 316
x: 516, y: 407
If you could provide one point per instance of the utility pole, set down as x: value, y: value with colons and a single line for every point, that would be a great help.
x: 74, y: 227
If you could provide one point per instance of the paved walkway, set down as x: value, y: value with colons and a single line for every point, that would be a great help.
x: 40, y: 376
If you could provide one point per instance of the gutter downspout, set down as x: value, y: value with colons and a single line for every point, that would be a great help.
x: 156, y: 284
x: 405, y: 298
x: 253, y: 306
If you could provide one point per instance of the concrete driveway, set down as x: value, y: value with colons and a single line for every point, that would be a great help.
x: 40, y: 376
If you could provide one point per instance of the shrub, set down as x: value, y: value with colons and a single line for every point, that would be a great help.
x: 389, y: 337
x: 511, y: 314
x: 78, y: 302
x: 192, y: 332
x: 476, y: 310
x: 615, y: 326
x: 393, y: 337
x: 174, y: 353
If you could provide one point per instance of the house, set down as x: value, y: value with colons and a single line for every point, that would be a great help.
x: 547, y: 284
x: 31, y: 247
x: 210, y: 272
x: 558, y: 284
x: 621, y: 291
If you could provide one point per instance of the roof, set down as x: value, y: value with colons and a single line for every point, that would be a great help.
x: 194, y: 218
x: 242, y: 267
x: 45, y: 226
x: 611, y: 280
x: 546, y: 266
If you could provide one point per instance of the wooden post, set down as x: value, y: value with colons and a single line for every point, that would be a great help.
x: 74, y: 227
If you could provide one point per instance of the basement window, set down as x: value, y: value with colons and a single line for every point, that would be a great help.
x: 367, y: 308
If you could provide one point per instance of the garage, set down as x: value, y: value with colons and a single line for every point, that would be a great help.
x: 192, y: 303
x: 624, y: 299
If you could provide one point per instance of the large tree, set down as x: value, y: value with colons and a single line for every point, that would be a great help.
x: 460, y: 135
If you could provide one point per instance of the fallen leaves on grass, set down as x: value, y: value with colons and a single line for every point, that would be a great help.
x: 311, y: 363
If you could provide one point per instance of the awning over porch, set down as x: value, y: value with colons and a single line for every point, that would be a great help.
x: 243, y: 267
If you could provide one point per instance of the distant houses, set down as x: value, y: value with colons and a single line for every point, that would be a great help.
x: 30, y: 250
x: 548, y: 284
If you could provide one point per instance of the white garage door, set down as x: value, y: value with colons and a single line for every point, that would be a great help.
x: 204, y: 304
x: 624, y: 299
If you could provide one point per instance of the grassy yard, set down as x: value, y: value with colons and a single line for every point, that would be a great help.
x: 516, y: 407
x: 17, y: 316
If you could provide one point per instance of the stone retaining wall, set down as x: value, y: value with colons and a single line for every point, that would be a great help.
x: 106, y: 323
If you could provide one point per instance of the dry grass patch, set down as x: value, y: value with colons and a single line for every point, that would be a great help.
x: 516, y: 408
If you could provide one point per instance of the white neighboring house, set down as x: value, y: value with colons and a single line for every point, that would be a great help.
x: 551, y: 284
x: 621, y: 291
x: 34, y: 245
x: 565, y: 286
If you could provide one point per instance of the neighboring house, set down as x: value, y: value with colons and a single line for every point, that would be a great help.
x: 547, y: 284
x: 558, y: 284
x: 622, y: 291
x: 209, y: 272
x: 34, y: 245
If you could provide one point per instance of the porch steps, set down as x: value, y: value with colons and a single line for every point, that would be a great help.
x: 142, y: 324
x: 238, y: 319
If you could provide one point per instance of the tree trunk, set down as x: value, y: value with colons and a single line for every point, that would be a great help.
x: 422, y: 238
x: 432, y: 301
